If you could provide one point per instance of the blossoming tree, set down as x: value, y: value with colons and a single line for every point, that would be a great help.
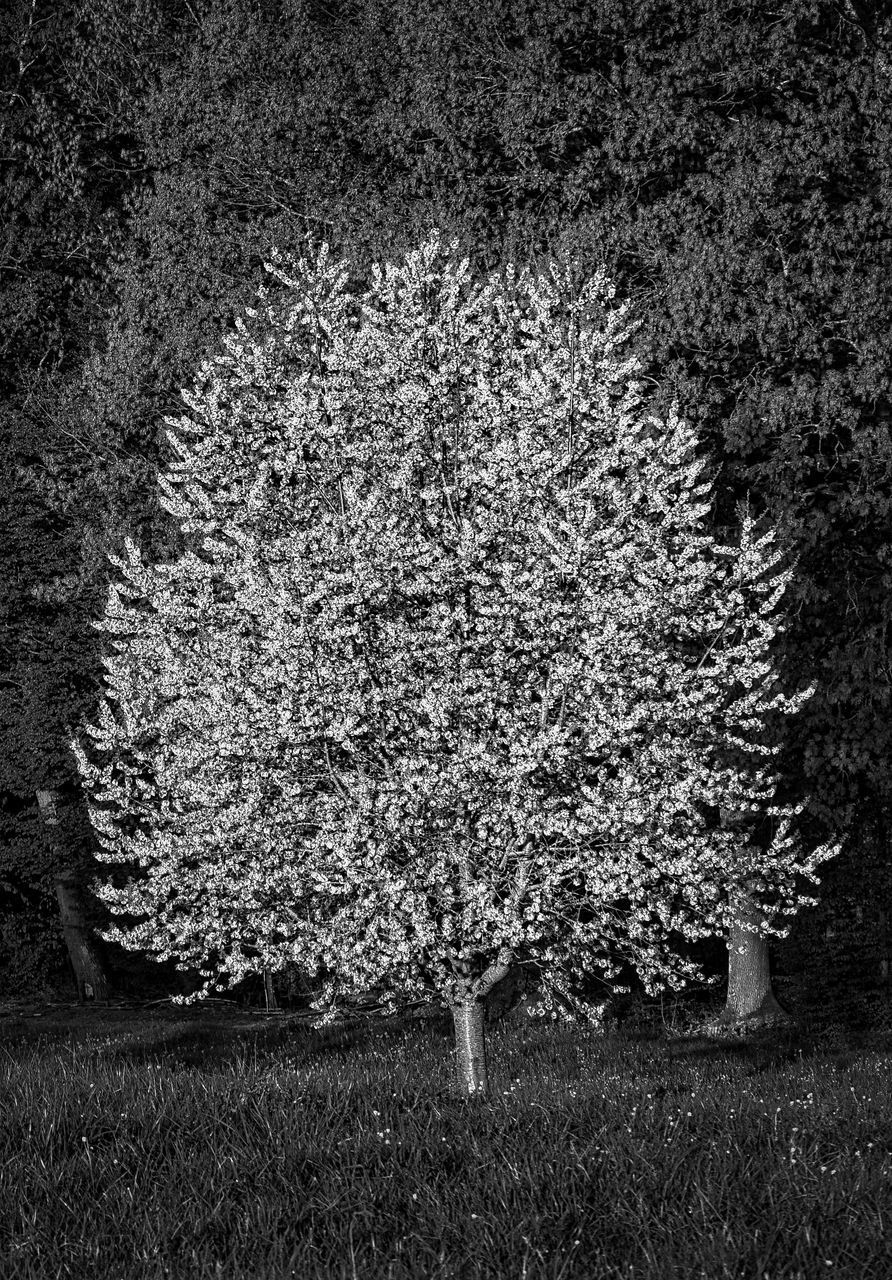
x: 453, y: 675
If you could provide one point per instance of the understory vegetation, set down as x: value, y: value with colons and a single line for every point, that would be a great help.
x: 186, y: 1148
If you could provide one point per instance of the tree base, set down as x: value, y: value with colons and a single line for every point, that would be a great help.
x: 732, y: 1025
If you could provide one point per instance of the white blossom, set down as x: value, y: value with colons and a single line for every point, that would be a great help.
x: 455, y: 674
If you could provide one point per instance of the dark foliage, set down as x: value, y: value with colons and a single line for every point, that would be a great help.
x: 730, y: 165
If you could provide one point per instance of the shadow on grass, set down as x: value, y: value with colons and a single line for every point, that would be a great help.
x: 201, y: 1036
x: 217, y: 1047
x: 214, y: 1040
x: 767, y: 1050
x: 773, y: 1049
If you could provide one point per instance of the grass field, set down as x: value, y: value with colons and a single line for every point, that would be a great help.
x: 184, y: 1149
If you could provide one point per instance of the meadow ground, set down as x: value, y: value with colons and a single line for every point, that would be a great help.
x: 205, y: 1144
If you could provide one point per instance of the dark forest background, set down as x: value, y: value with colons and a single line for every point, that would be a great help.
x: 729, y: 164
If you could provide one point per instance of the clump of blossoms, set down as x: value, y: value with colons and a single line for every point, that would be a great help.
x: 454, y: 675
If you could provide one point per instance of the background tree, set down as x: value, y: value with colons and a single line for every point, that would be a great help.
x: 71, y: 78
x: 454, y: 677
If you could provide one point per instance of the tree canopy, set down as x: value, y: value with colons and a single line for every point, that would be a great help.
x: 454, y: 674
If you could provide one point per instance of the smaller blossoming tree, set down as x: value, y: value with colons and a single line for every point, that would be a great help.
x: 454, y: 675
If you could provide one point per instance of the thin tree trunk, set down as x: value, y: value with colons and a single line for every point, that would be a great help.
x: 470, y: 1046
x: 468, y: 1016
x: 86, y: 962
x: 750, y: 1000
x: 269, y: 992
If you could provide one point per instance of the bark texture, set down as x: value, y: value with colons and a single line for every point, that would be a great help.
x: 750, y: 1001
x: 468, y: 1015
x: 750, y: 998
x: 470, y: 1045
x: 89, y: 971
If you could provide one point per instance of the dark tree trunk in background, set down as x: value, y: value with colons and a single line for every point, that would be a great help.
x: 89, y: 970
x: 269, y: 992
x: 85, y: 960
x: 750, y: 1001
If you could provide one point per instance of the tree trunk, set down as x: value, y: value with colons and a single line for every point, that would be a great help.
x: 269, y: 992
x: 89, y: 971
x: 470, y: 1046
x: 750, y: 1001
x: 468, y: 1014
